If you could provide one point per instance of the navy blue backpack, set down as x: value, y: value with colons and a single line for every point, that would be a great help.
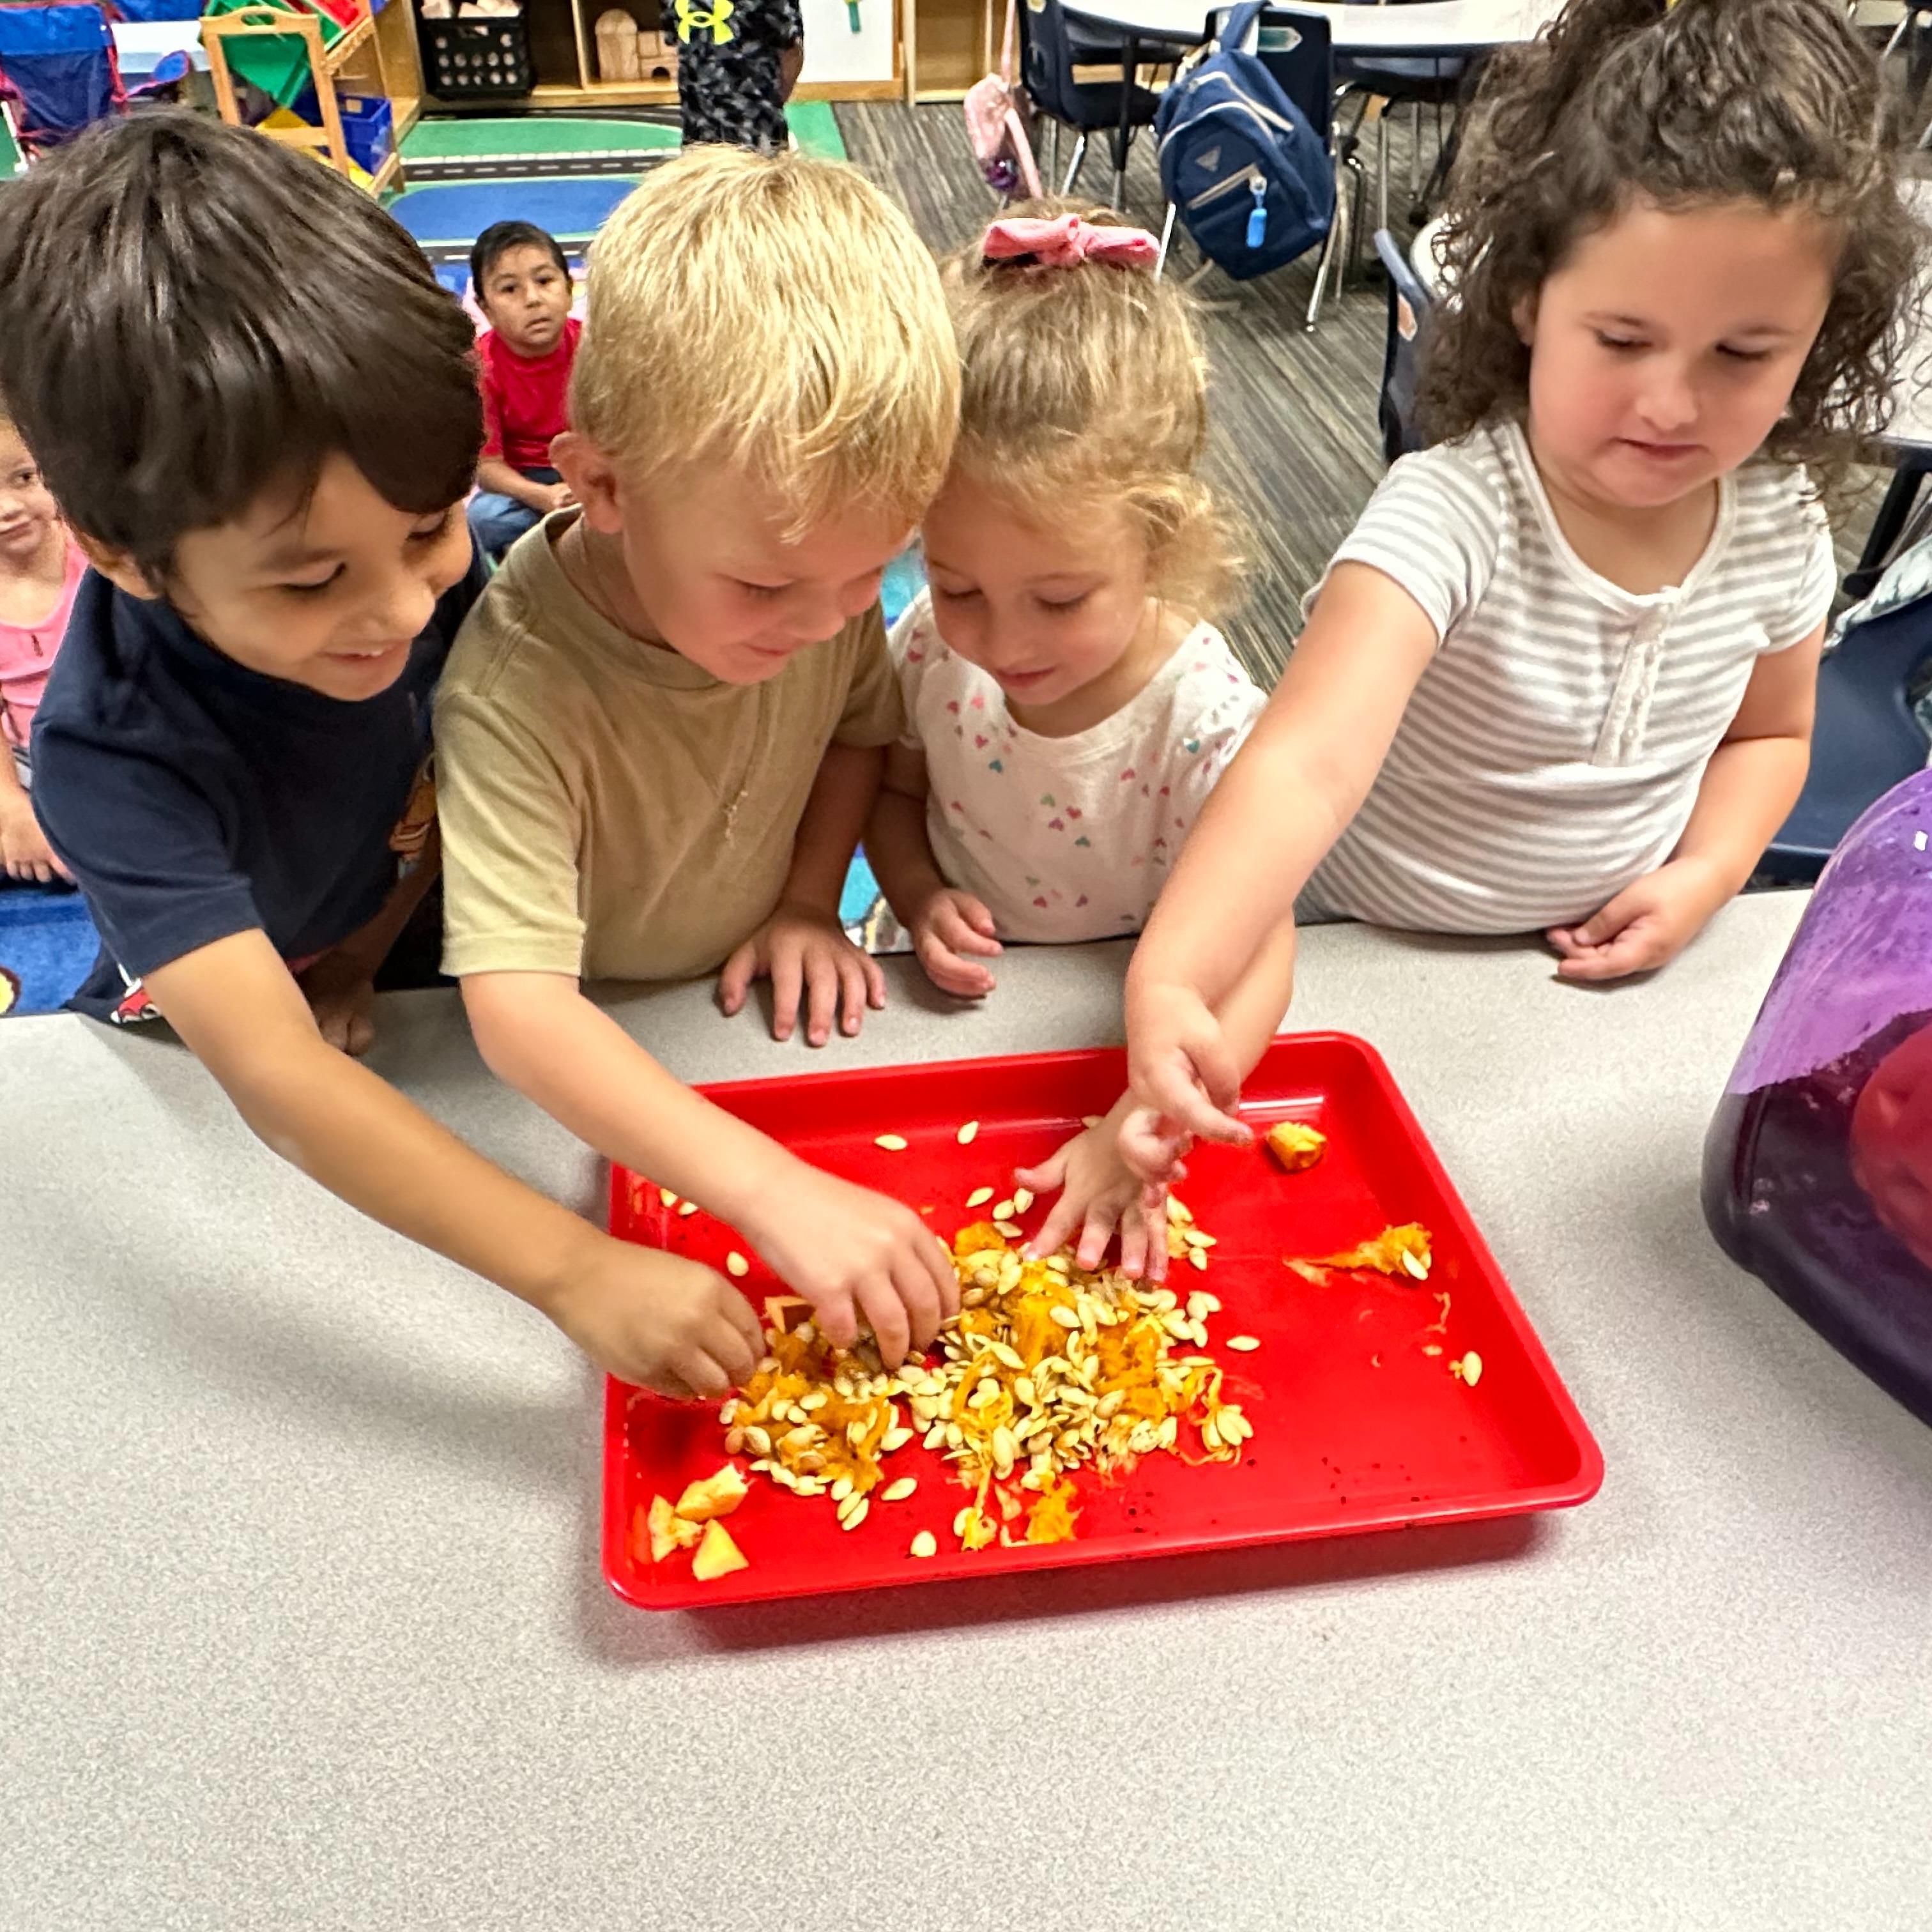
x: 1249, y: 176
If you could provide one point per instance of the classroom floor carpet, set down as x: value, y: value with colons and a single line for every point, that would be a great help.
x: 565, y: 173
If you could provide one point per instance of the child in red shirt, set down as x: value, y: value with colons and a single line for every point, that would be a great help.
x: 522, y: 284
x: 40, y: 568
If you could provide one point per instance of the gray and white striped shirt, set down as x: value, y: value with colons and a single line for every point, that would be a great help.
x: 1552, y: 750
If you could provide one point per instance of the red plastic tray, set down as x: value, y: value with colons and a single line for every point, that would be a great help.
x: 1355, y: 1427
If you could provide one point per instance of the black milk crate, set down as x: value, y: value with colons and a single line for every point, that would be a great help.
x: 475, y: 59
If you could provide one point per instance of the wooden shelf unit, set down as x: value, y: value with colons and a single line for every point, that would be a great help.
x: 376, y: 56
x: 563, y: 54
x: 945, y: 46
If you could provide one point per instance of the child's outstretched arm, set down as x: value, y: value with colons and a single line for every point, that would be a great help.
x: 1746, y: 792
x: 1115, y: 1175
x: 953, y: 932
x: 649, y: 1317
x: 848, y: 1251
x: 1284, y: 801
x: 802, y: 945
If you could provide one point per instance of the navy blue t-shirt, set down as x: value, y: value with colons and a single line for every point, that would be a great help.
x: 192, y: 798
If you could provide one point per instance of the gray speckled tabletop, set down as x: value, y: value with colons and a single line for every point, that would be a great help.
x: 303, y: 1626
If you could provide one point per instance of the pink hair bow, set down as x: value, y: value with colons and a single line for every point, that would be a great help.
x: 1066, y: 240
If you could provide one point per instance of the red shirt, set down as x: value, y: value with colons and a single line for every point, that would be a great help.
x: 525, y: 401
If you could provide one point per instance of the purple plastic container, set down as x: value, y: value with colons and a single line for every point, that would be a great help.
x: 1818, y: 1167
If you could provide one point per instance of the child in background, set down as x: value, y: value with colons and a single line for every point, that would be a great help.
x: 258, y: 412
x: 522, y: 284
x: 1561, y: 676
x: 41, y: 569
x: 664, y: 723
x: 737, y: 67
x: 1069, y: 706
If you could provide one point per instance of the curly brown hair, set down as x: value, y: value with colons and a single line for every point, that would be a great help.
x: 1085, y: 386
x: 1682, y: 103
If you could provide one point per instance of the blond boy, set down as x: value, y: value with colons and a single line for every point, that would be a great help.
x: 662, y: 727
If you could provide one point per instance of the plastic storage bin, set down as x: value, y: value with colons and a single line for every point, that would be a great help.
x: 1818, y: 1167
x: 486, y: 59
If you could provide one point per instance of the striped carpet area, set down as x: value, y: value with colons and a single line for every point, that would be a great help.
x: 564, y: 173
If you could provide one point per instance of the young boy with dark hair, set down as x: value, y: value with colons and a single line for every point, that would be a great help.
x: 258, y: 413
x: 522, y: 284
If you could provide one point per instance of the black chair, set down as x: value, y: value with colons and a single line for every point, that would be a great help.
x: 1866, y: 737
x: 1051, y: 46
x: 1409, y: 308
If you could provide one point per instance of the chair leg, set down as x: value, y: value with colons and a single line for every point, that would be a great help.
x: 1327, y: 255
x: 1053, y: 166
x: 1073, y: 169
x: 1414, y: 147
x: 1381, y: 167
x: 1358, y: 202
x: 1166, y: 240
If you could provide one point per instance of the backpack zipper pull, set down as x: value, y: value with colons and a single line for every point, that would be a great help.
x: 1258, y: 214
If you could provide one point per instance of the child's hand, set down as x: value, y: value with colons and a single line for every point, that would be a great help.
x: 850, y: 1251
x: 661, y: 1321
x: 341, y: 994
x: 1645, y: 926
x: 807, y: 955
x: 951, y: 932
x: 1151, y: 1146
x: 1099, y: 1193
x: 24, y: 851
x: 556, y: 496
x: 1180, y: 1066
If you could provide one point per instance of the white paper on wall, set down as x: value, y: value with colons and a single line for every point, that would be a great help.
x: 834, y: 53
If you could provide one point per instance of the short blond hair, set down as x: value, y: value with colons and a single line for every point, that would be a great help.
x: 1088, y: 385
x: 779, y: 313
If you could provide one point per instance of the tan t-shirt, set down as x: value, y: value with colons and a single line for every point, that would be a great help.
x: 608, y: 809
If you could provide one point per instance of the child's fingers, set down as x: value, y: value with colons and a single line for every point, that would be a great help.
x: 935, y: 1257
x: 977, y: 916
x: 1048, y: 1175
x: 787, y: 987
x: 1189, y: 1108
x: 879, y: 1300
x: 726, y: 1344
x: 1637, y: 948
x: 874, y: 976
x: 950, y: 974
x: 743, y: 1317
x: 837, y: 1320
x: 964, y: 932
x: 699, y: 1374
x: 854, y: 988
x: 919, y: 1295
x: 1095, y: 1233
x: 821, y: 993
x: 1062, y: 1218
x: 1133, y: 1244
x: 735, y: 980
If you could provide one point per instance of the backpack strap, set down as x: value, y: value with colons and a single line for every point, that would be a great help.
x: 1233, y: 37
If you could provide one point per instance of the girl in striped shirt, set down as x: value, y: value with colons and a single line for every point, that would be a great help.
x: 1560, y: 678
